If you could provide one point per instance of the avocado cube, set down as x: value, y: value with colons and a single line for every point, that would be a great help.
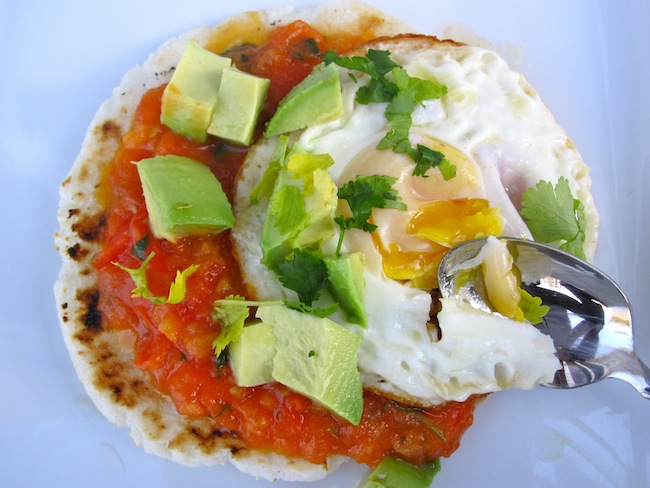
x: 347, y: 285
x: 318, y: 358
x: 190, y: 97
x: 183, y: 197
x: 315, y: 100
x: 394, y: 473
x: 240, y: 100
x: 251, y: 355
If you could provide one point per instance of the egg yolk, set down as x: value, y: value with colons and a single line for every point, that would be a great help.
x: 442, y: 224
x: 441, y: 213
x: 450, y: 222
x: 418, y: 267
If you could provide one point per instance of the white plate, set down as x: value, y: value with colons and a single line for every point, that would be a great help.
x: 589, y: 60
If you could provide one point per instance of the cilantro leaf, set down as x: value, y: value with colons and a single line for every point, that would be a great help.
x: 532, y: 307
x: 381, y: 62
x: 553, y: 215
x: 305, y: 274
x: 177, y: 289
x: 398, y: 114
x: 363, y: 194
x: 321, y: 312
x: 377, y: 65
x: 413, y: 91
x: 375, y: 92
x: 402, y: 93
x: 427, y: 158
x: 231, y: 315
x: 417, y: 89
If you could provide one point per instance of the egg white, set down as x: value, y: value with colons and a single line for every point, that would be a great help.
x: 503, y: 140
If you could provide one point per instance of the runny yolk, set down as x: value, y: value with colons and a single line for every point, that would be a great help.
x: 450, y: 222
x: 444, y: 224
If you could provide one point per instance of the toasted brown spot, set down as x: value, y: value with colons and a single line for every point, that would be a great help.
x: 89, y: 313
x: 209, y: 441
x: 207, y: 436
x: 76, y: 252
x: 72, y: 212
x: 114, y: 375
x: 109, y: 130
x: 155, y: 425
x: 83, y: 336
x: 90, y: 228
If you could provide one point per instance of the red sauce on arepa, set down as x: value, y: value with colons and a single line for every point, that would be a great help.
x: 173, y: 343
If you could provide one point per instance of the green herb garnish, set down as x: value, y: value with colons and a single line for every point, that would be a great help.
x: 304, y: 273
x: 231, y: 314
x: 532, y: 307
x: 553, y: 215
x: 177, y: 289
x: 377, y: 65
x: 363, y: 194
x: 402, y: 93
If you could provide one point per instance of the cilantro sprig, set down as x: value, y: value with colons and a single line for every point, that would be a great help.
x: 377, y: 64
x: 363, y: 194
x: 532, y: 307
x: 231, y: 314
x: 403, y: 93
x: 304, y: 273
x: 554, y: 215
x: 177, y: 288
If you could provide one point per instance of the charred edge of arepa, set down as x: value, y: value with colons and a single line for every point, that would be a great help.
x: 415, y: 41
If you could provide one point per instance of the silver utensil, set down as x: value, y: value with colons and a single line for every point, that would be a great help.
x: 590, y: 320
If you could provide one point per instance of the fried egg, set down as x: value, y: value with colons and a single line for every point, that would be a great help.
x: 502, y: 139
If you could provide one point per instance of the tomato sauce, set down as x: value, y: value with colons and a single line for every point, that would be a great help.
x: 173, y: 343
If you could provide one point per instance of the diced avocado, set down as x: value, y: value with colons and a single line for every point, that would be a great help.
x: 301, y: 207
x: 241, y: 98
x: 315, y: 100
x: 347, y: 285
x: 251, y: 355
x: 318, y: 358
x: 189, y: 99
x: 183, y: 198
x: 395, y: 473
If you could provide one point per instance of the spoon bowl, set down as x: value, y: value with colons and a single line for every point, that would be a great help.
x: 590, y: 320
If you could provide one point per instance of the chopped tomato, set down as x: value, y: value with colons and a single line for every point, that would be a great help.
x: 286, y: 59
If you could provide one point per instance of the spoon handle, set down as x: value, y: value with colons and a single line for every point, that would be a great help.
x: 636, y: 374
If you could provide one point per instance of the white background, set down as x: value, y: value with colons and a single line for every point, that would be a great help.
x: 589, y: 60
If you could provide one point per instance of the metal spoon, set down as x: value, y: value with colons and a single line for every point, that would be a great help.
x: 589, y: 320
